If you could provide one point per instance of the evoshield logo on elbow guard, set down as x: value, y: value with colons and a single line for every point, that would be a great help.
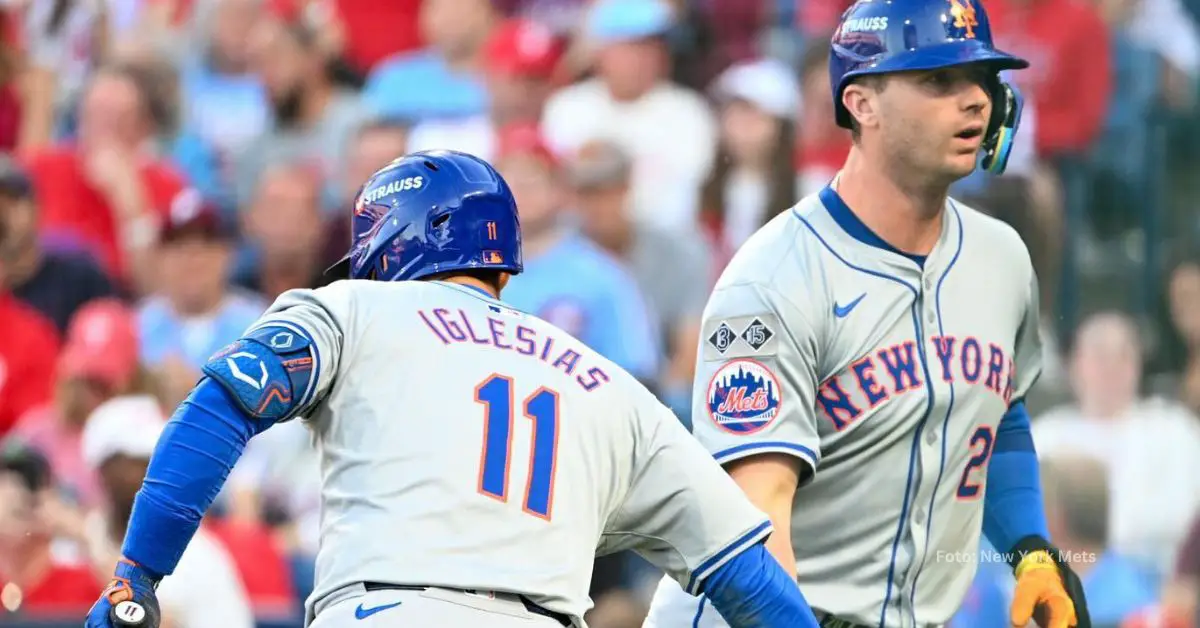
x: 237, y: 372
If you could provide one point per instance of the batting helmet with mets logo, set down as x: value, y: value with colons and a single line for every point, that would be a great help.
x: 883, y: 36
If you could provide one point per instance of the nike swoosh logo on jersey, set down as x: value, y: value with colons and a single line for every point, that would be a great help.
x: 363, y: 613
x: 844, y: 311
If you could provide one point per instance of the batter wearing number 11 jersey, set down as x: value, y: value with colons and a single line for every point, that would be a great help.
x: 474, y: 459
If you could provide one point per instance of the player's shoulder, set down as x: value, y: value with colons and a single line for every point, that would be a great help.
x: 771, y: 250
x: 345, y: 299
x: 782, y: 258
x: 990, y: 236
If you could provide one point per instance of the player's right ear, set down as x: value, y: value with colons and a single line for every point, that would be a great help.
x: 859, y: 100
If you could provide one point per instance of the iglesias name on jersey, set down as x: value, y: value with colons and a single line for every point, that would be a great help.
x: 465, y: 444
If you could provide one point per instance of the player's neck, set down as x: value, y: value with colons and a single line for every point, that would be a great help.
x: 908, y: 217
x: 467, y: 280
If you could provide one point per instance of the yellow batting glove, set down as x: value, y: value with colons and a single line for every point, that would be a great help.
x: 1040, y: 594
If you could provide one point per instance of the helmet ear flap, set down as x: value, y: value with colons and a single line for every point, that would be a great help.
x: 1007, y: 103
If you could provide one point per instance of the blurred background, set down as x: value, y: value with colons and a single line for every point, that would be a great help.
x: 171, y: 166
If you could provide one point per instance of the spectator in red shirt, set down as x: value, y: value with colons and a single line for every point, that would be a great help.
x: 27, y: 354
x: 99, y: 360
x: 108, y: 193
x: 1069, y: 80
x: 49, y: 586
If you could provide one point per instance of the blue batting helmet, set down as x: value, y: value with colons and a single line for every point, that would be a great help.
x: 882, y: 36
x: 432, y: 212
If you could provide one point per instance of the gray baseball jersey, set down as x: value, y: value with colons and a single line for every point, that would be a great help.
x: 464, y: 444
x: 886, y: 375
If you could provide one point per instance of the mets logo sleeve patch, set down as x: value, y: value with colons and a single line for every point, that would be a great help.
x: 744, y: 396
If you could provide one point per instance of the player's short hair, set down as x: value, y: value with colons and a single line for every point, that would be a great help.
x: 877, y: 82
x: 815, y: 60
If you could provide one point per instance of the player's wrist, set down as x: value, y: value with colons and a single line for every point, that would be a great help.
x: 1028, y: 546
x: 1040, y: 559
x: 138, y: 577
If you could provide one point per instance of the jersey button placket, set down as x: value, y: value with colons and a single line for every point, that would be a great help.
x: 930, y: 310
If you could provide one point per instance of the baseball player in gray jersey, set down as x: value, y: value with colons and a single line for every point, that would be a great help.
x: 864, y: 356
x: 474, y: 459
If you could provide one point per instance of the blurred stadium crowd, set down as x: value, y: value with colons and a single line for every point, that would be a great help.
x: 174, y: 165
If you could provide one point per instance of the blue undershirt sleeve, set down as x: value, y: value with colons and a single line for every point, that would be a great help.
x: 197, y: 449
x: 1012, y: 507
x: 751, y: 590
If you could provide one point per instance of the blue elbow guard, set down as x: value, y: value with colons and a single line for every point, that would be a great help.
x: 753, y: 591
x: 269, y: 372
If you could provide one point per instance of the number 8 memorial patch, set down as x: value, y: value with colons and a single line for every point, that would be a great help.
x: 744, y: 397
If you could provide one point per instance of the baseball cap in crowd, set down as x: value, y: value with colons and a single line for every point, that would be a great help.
x: 101, y: 344
x: 598, y: 164
x: 519, y: 47
x: 767, y: 84
x: 523, y: 138
x: 612, y: 21
x: 127, y: 426
x: 14, y: 180
x: 191, y: 214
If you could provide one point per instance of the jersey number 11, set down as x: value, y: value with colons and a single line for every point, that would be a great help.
x: 541, y: 407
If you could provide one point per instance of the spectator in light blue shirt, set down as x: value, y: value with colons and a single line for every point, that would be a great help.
x: 1076, y: 493
x: 568, y: 280
x: 193, y: 312
x: 442, y: 80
